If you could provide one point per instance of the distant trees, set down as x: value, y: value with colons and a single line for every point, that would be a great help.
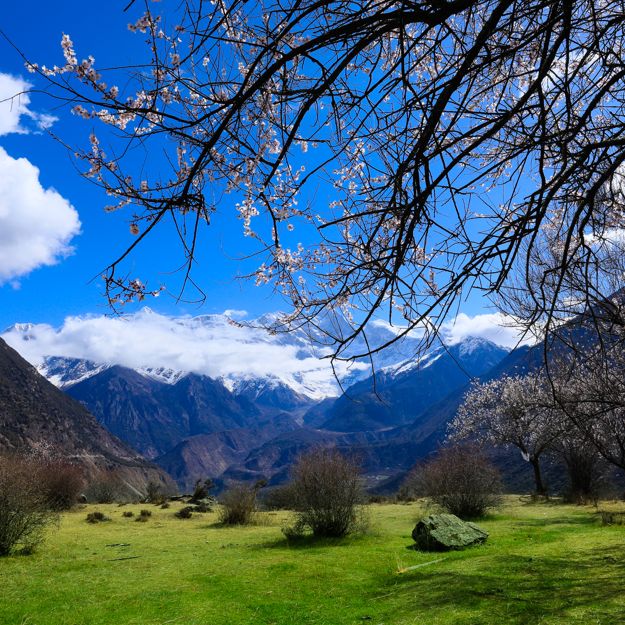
x: 60, y: 479
x: 513, y: 412
x: 574, y: 408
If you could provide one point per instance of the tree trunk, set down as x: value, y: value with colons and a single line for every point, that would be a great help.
x: 539, y: 484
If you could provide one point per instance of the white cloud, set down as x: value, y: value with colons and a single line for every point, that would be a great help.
x: 494, y: 327
x: 209, y: 345
x: 36, y: 224
x: 14, y: 103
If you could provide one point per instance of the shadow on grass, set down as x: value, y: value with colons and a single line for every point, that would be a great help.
x: 589, y: 519
x: 515, y: 589
x: 310, y: 542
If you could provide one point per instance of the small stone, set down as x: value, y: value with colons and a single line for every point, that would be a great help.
x: 446, y: 532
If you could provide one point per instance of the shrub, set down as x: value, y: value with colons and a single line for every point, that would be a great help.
x: 145, y: 513
x: 153, y: 493
x: 24, y: 510
x: 201, y: 490
x: 164, y: 506
x: 378, y: 499
x: 96, y: 517
x: 184, y: 513
x: 461, y: 480
x: 328, y: 493
x: 128, y: 513
x: 106, y: 487
x: 238, y: 503
x: 60, y: 479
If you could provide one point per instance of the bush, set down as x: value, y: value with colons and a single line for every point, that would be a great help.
x: 24, y: 508
x: 128, y: 513
x: 184, y: 513
x: 461, y: 480
x: 96, y: 517
x: 60, y: 479
x: 238, y: 503
x: 328, y: 493
x: 106, y: 487
x: 153, y: 493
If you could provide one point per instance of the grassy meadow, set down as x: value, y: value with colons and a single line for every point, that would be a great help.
x: 543, y: 563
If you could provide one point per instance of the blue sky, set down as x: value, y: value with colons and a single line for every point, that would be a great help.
x: 49, y: 293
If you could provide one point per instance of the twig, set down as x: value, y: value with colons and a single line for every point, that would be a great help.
x: 119, y: 545
x: 117, y: 559
x: 417, y: 566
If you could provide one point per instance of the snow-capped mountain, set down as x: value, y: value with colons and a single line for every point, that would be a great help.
x: 245, y: 358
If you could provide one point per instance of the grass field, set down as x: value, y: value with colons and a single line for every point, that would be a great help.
x: 543, y: 563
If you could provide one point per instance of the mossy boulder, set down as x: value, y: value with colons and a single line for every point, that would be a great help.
x: 446, y: 532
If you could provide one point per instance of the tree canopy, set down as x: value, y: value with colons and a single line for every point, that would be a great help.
x: 433, y: 148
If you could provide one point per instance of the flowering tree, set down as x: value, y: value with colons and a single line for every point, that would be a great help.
x: 443, y: 141
x: 591, y: 392
x: 513, y: 412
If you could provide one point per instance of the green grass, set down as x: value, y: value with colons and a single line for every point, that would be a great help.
x: 543, y: 563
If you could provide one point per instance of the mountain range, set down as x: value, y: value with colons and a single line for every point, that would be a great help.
x: 243, y: 424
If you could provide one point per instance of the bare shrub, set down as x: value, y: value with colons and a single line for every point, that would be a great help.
x: 60, y: 479
x: 238, y: 503
x: 201, y: 490
x: 106, y: 487
x: 153, y: 493
x: 328, y: 493
x: 24, y: 510
x: 461, y: 480
x: 378, y: 499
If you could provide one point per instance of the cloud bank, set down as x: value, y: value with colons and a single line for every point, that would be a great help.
x: 208, y: 344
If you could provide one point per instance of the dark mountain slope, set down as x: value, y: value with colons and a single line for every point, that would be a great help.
x: 33, y: 410
x: 401, y: 396
x: 154, y: 416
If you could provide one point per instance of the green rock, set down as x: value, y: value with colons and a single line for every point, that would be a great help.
x: 446, y: 532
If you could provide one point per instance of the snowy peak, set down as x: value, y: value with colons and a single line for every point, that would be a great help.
x: 162, y: 374
x: 65, y: 372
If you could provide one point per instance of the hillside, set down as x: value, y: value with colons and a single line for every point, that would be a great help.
x: 33, y: 410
